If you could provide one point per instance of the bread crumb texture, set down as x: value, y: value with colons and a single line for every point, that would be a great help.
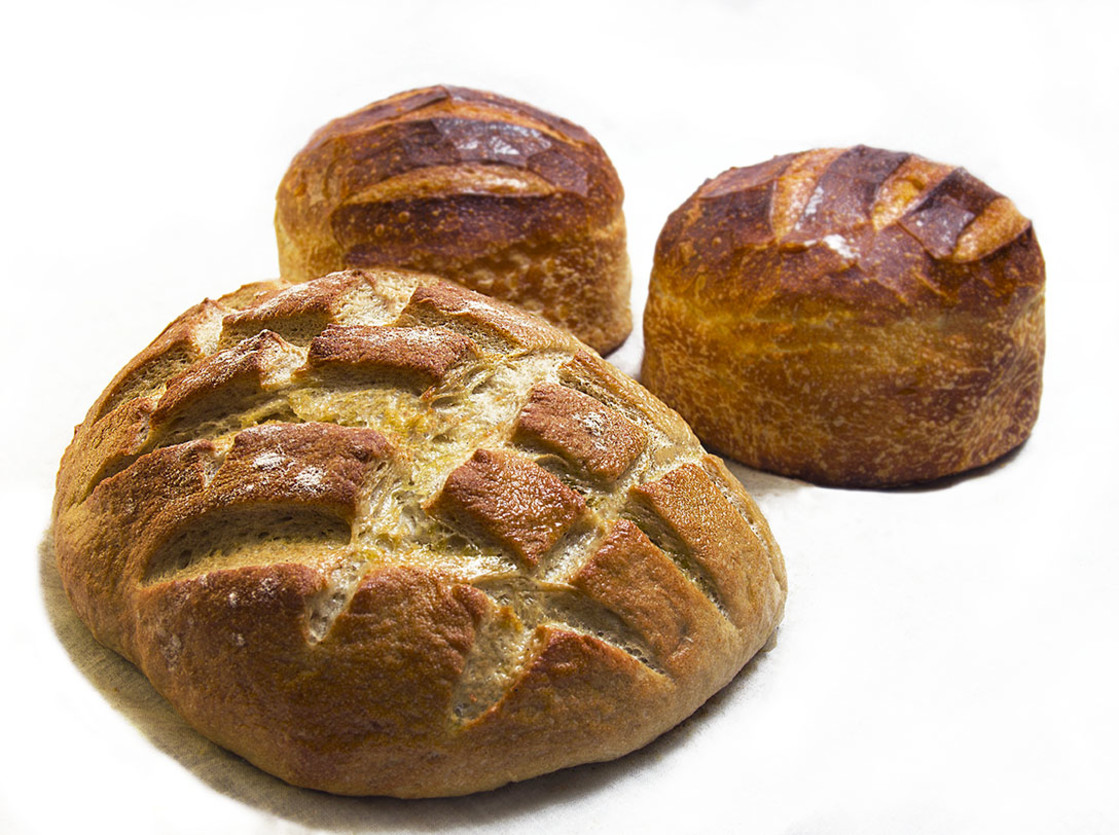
x: 380, y: 534
x: 853, y: 317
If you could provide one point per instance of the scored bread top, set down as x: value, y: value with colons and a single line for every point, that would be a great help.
x: 855, y: 317
x: 381, y: 534
x: 849, y: 231
x: 490, y: 192
x: 519, y: 150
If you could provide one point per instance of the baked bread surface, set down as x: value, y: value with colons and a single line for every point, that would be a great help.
x: 493, y: 193
x: 854, y: 317
x: 379, y: 534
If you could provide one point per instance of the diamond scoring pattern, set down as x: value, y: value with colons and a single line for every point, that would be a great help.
x: 562, y: 526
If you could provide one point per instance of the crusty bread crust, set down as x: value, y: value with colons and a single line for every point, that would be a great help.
x: 471, y: 186
x: 853, y: 317
x: 379, y: 534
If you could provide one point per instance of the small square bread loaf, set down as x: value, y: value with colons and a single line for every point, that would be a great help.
x: 380, y: 534
x: 492, y: 193
x: 853, y: 317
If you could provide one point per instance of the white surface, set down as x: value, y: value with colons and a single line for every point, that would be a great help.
x: 947, y: 661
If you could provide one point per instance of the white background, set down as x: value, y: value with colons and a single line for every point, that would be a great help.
x: 947, y: 660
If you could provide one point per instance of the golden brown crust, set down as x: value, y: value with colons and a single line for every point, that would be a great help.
x: 648, y: 591
x: 854, y: 317
x: 421, y: 356
x: 490, y: 192
x: 594, y: 440
x: 509, y: 500
x: 388, y: 556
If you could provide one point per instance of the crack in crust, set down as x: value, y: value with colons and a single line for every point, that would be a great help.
x: 415, y: 441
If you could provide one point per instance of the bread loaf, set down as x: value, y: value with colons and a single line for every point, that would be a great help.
x: 852, y: 317
x: 492, y: 193
x: 379, y: 534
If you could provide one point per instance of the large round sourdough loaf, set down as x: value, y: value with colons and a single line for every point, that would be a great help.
x: 493, y: 193
x: 380, y: 534
x: 851, y: 316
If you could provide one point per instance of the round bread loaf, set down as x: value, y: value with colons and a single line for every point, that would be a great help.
x: 492, y: 193
x: 852, y: 317
x: 379, y: 534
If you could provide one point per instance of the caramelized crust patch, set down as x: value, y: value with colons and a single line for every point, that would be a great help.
x: 183, y: 342
x: 561, y: 663
x: 687, y: 506
x: 510, y: 501
x: 596, y: 440
x: 633, y: 578
x: 474, y: 313
x: 312, y: 462
x: 423, y: 355
x: 796, y: 186
x: 110, y: 445
x: 739, y: 202
x: 939, y: 220
x: 158, y: 482
x: 998, y: 224
x: 845, y: 193
x: 302, y: 307
x: 279, y: 489
x: 451, y: 126
x: 909, y: 183
x: 247, y: 368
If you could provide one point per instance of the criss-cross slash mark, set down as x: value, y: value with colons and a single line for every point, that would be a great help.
x: 628, y: 593
x: 522, y: 607
x: 272, y: 486
x: 281, y: 492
